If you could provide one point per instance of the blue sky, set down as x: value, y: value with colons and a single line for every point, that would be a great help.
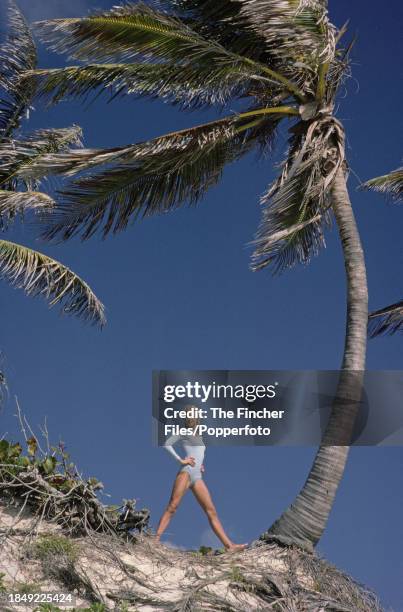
x: 179, y: 294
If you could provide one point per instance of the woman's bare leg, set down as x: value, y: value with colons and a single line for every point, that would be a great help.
x: 203, y: 496
x: 180, y: 487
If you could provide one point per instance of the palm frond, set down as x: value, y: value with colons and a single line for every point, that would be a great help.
x: 222, y: 22
x: 388, y: 320
x: 17, y: 55
x: 174, y: 83
x: 391, y: 184
x: 20, y: 160
x: 128, y: 31
x: 300, y: 41
x: 298, y: 29
x: 38, y: 274
x: 78, y: 160
x: 288, y: 35
x: 296, y: 207
x: 153, y: 177
x: 13, y: 203
x: 136, y: 30
x: 74, y: 161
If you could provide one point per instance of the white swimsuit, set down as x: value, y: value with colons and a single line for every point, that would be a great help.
x: 193, y: 446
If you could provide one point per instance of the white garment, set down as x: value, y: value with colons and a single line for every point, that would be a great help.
x: 193, y: 446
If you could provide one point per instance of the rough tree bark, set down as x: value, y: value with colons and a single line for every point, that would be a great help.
x: 304, y: 521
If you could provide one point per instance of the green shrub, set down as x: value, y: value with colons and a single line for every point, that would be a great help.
x: 24, y: 588
x: 58, y: 557
x: 50, y: 546
x: 236, y: 575
x: 95, y: 607
x: 205, y: 550
x: 2, y: 585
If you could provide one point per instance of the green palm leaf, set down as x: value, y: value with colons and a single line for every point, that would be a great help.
x: 293, y: 37
x: 292, y: 29
x: 34, y: 272
x: 390, y: 184
x: 298, y: 37
x: 175, y: 83
x: 152, y: 177
x: 21, y: 159
x: 13, y: 203
x: 17, y: 55
x: 73, y: 161
x: 136, y: 30
x: 224, y: 23
x: 128, y: 31
x: 388, y: 320
x: 297, y: 206
x: 38, y: 274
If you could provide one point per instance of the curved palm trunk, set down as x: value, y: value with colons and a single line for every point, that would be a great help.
x: 304, y: 521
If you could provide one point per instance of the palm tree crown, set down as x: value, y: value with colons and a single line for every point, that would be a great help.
x: 279, y: 58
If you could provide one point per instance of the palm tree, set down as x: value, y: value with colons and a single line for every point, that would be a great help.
x: 281, y: 61
x: 390, y: 319
x: 28, y: 269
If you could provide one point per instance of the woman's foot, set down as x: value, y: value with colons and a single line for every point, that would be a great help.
x: 235, y: 547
